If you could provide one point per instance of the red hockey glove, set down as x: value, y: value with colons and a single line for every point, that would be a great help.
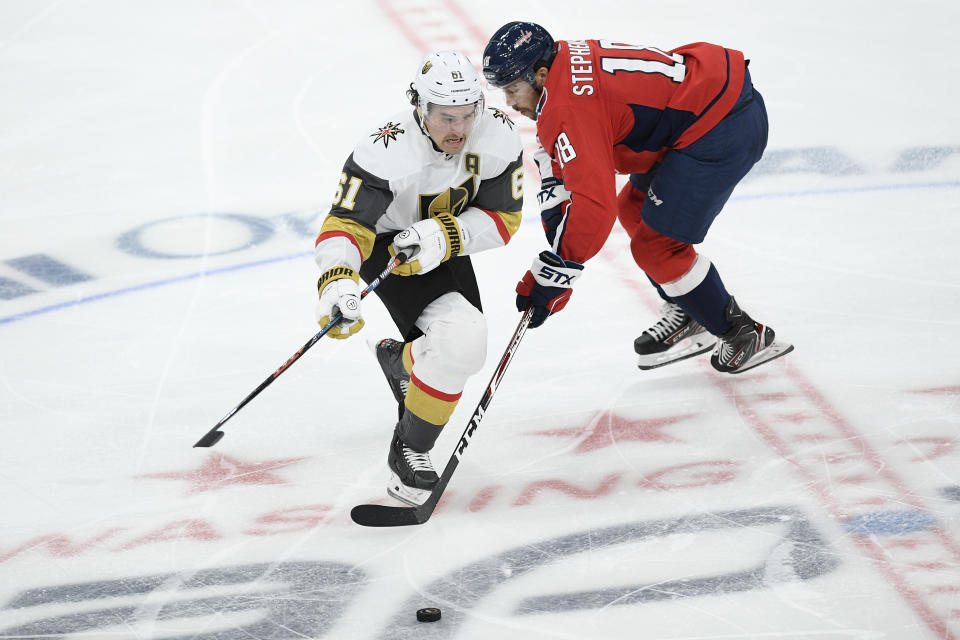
x: 547, y: 286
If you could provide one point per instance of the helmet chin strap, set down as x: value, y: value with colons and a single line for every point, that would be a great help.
x: 422, y: 122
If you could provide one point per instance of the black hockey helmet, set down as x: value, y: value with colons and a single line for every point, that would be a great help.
x: 515, y: 51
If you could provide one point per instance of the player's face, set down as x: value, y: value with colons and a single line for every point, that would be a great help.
x: 521, y: 96
x: 450, y: 126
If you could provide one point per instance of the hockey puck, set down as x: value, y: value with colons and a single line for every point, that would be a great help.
x: 429, y: 614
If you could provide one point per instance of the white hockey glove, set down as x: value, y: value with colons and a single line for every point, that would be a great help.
x: 339, y: 290
x: 428, y: 243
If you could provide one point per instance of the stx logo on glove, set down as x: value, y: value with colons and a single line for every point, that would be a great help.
x: 547, y: 286
x: 553, y: 276
x: 546, y: 193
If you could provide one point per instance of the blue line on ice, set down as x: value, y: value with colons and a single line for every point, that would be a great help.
x: 150, y: 285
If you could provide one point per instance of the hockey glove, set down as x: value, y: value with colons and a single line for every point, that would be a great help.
x: 428, y: 243
x: 547, y: 286
x: 339, y: 290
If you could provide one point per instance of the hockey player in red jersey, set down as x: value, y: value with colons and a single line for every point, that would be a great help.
x: 442, y: 180
x: 686, y: 125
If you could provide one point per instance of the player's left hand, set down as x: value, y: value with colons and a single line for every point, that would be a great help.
x: 339, y: 293
x: 547, y: 286
x: 428, y: 243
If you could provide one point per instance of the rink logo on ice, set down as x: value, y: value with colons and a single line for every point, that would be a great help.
x: 303, y: 518
x: 762, y: 548
x: 753, y: 550
x: 305, y: 599
x: 890, y: 523
x: 204, y: 235
x: 29, y: 274
x: 831, y: 161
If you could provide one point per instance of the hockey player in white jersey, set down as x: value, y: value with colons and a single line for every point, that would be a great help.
x: 441, y: 181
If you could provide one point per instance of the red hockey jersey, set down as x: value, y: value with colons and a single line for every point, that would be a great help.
x: 612, y: 108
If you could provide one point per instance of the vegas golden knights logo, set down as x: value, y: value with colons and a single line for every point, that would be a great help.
x: 454, y: 200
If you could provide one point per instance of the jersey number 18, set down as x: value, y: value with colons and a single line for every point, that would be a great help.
x: 675, y: 71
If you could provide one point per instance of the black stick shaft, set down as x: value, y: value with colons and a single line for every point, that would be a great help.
x: 213, y: 436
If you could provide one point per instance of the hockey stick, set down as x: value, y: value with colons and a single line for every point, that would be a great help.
x: 378, y: 515
x: 213, y: 436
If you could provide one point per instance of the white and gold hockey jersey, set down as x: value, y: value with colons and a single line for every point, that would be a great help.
x: 396, y: 177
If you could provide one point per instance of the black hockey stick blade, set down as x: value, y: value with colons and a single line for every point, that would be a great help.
x: 210, y: 439
x: 378, y: 515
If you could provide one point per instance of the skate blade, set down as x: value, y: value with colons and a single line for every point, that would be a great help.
x: 403, y: 493
x: 772, y: 352
x: 693, y: 347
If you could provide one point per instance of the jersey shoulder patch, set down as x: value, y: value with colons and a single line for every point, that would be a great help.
x: 388, y: 132
x: 502, y: 117
x: 389, y: 150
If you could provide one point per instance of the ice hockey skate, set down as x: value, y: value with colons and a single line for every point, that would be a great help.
x: 390, y: 356
x: 747, y: 344
x: 412, y: 476
x: 676, y: 336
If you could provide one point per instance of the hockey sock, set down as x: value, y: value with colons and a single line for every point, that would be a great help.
x: 417, y: 433
x: 700, y: 292
x: 660, y: 292
x: 706, y: 303
x: 427, y: 411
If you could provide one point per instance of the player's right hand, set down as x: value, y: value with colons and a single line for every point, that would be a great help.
x: 428, y: 243
x: 339, y: 291
x: 547, y: 286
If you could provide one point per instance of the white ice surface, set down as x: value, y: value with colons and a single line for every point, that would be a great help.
x: 816, y: 498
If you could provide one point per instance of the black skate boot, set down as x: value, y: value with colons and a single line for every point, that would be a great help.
x: 747, y: 344
x: 412, y: 477
x: 390, y: 356
x: 676, y: 336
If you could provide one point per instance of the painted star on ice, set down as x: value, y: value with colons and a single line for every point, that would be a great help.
x: 219, y: 470
x: 613, y: 429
